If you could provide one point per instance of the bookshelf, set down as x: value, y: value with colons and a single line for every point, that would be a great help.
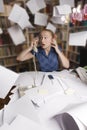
x: 9, y: 52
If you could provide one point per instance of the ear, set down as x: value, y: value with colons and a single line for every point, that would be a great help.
x: 55, y: 36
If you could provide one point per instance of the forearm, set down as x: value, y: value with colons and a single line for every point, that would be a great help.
x: 63, y: 59
x: 24, y: 55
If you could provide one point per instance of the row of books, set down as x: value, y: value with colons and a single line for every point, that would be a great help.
x: 7, y: 51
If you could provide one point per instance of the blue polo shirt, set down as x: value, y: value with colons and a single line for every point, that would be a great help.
x: 47, y: 63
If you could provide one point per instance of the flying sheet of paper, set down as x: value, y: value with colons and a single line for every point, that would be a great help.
x: 57, y: 20
x: 23, y: 123
x: 17, y: 12
x: 61, y: 9
x: 51, y: 27
x: 16, y: 34
x: 1, y: 6
x: 68, y: 2
x: 78, y: 38
x: 41, y: 19
x: 24, y: 23
x: 7, y: 80
x: 35, y: 5
x: 22, y: 106
x: 19, y: 15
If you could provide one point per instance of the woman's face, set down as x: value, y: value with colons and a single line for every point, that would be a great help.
x: 46, y: 39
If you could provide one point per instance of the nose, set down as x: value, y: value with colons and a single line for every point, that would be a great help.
x: 42, y: 39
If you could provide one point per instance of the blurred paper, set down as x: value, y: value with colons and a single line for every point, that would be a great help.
x: 62, y: 9
x: 1, y: 117
x: 23, y: 123
x: 35, y: 5
x: 68, y: 2
x: 1, y: 6
x: 22, y: 106
x: 4, y: 127
x: 1, y: 31
x: 16, y: 35
x: 7, y: 80
x: 25, y: 23
x: 19, y: 15
x: 51, y: 27
x: 40, y: 19
x: 78, y: 38
x: 79, y: 111
x: 57, y: 20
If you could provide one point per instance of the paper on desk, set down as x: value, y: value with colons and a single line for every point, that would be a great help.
x: 1, y: 6
x: 61, y: 9
x: 78, y: 38
x: 7, y: 80
x: 16, y: 34
x: 4, y: 127
x: 68, y: 2
x: 40, y: 19
x: 1, y: 117
x: 51, y: 27
x: 35, y: 5
x: 48, y: 89
x: 22, y: 106
x: 79, y: 111
x: 24, y: 123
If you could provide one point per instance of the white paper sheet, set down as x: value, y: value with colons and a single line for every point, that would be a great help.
x: 19, y: 15
x: 35, y: 5
x: 40, y: 19
x: 51, y: 27
x: 7, y: 80
x: 78, y: 38
x: 16, y: 35
x: 68, y: 2
x: 25, y: 23
x: 79, y: 111
x: 22, y: 106
x: 1, y: 6
x: 62, y: 10
x: 57, y: 20
x: 17, y: 12
x: 23, y: 123
x: 4, y: 127
x: 1, y: 117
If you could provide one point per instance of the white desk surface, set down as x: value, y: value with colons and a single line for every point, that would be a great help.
x: 61, y: 94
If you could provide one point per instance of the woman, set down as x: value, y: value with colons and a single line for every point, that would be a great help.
x: 48, y: 53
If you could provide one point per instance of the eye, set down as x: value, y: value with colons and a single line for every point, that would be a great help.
x: 45, y: 37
